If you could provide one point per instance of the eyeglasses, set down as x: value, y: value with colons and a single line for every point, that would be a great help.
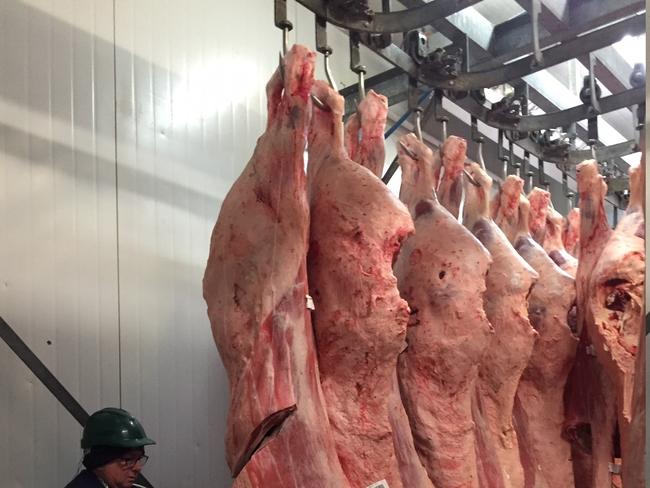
x: 128, y: 463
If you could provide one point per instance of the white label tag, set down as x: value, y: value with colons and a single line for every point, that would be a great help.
x: 310, y: 302
x: 379, y: 484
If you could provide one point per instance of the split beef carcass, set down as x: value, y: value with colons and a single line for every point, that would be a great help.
x: 508, y: 284
x: 634, y: 477
x: 441, y: 272
x: 539, y: 405
x: 364, y: 133
x: 571, y: 232
x: 255, y: 286
x: 590, y: 400
x: 546, y: 226
x: 616, y: 302
x: 360, y: 320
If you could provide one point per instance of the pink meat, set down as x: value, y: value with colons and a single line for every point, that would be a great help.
x: 546, y: 228
x: 357, y: 226
x: 505, y: 206
x: 441, y: 272
x: 590, y: 407
x: 633, y: 471
x: 540, y: 204
x: 616, y: 304
x: 571, y: 232
x: 364, y: 133
x: 448, y: 173
x: 508, y: 285
x: 539, y: 405
x: 255, y: 286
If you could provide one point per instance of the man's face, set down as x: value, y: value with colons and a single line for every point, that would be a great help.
x: 122, y: 472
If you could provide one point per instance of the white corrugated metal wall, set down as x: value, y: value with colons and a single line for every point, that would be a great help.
x: 122, y: 125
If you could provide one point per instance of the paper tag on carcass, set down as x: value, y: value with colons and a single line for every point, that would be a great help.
x: 310, y: 302
x: 379, y: 484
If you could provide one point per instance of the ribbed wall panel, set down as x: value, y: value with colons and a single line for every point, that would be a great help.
x: 58, y: 260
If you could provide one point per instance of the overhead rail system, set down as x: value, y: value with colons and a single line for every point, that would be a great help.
x: 463, y: 68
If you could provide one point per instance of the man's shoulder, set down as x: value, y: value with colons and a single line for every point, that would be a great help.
x: 85, y: 479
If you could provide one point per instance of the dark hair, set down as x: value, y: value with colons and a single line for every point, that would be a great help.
x: 99, y: 456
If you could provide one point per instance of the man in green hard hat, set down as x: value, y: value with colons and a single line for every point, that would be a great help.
x: 113, y: 443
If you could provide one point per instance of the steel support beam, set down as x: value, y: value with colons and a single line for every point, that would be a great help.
x: 522, y: 67
x: 513, y: 38
x: 391, y: 22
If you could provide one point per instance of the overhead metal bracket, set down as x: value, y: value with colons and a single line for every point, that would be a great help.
x: 561, y: 118
x: 557, y: 54
x: 389, y: 22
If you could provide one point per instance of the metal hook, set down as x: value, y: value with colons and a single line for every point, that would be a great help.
x: 414, y: 105
x: 501, y: 154
x: 355, y: 63
x: 319, y: 103
x: 408, y: 151
x: 525, y: 164
x: 478, y: 138
x: 570, y: 204
x: 540, y: 173
x: 529, y: 183
x: 437, y: 108
x: 323, y: 48
x: 283, y: 23
x: 470, y: 178
x: 418, y: 124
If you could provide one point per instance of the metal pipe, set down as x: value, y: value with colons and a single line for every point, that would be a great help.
x: 403, y: 118
x: 538, y: 59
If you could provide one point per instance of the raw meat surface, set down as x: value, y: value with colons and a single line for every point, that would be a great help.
x: 364, y: 133
x: 505, y: 206
x: 540, y: 204
x: 635, y: 477
x: 590, y: 405
x: 546, y: 226
x: 508, y: 284
x: 255, y: 285
x: 616, y: 303
x: 539, y: 405
x: 448, y: 173
x: 360, y: 320
x: 441, y: 272
x: 571, y: 232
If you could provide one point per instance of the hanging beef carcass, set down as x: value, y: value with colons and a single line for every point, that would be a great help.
x: 441, y: 272
x: 360, y: 320
x: 546, y: 226
x: 590, y: 400
x: 255, y: 286
x: 539, y: 405
x: 364, y: 133
x: 571, y: 232
x: 508, y: 284
x: 615, y: 303
x: 635, y: 477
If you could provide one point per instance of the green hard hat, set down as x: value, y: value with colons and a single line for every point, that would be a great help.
x: 114, y: 427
